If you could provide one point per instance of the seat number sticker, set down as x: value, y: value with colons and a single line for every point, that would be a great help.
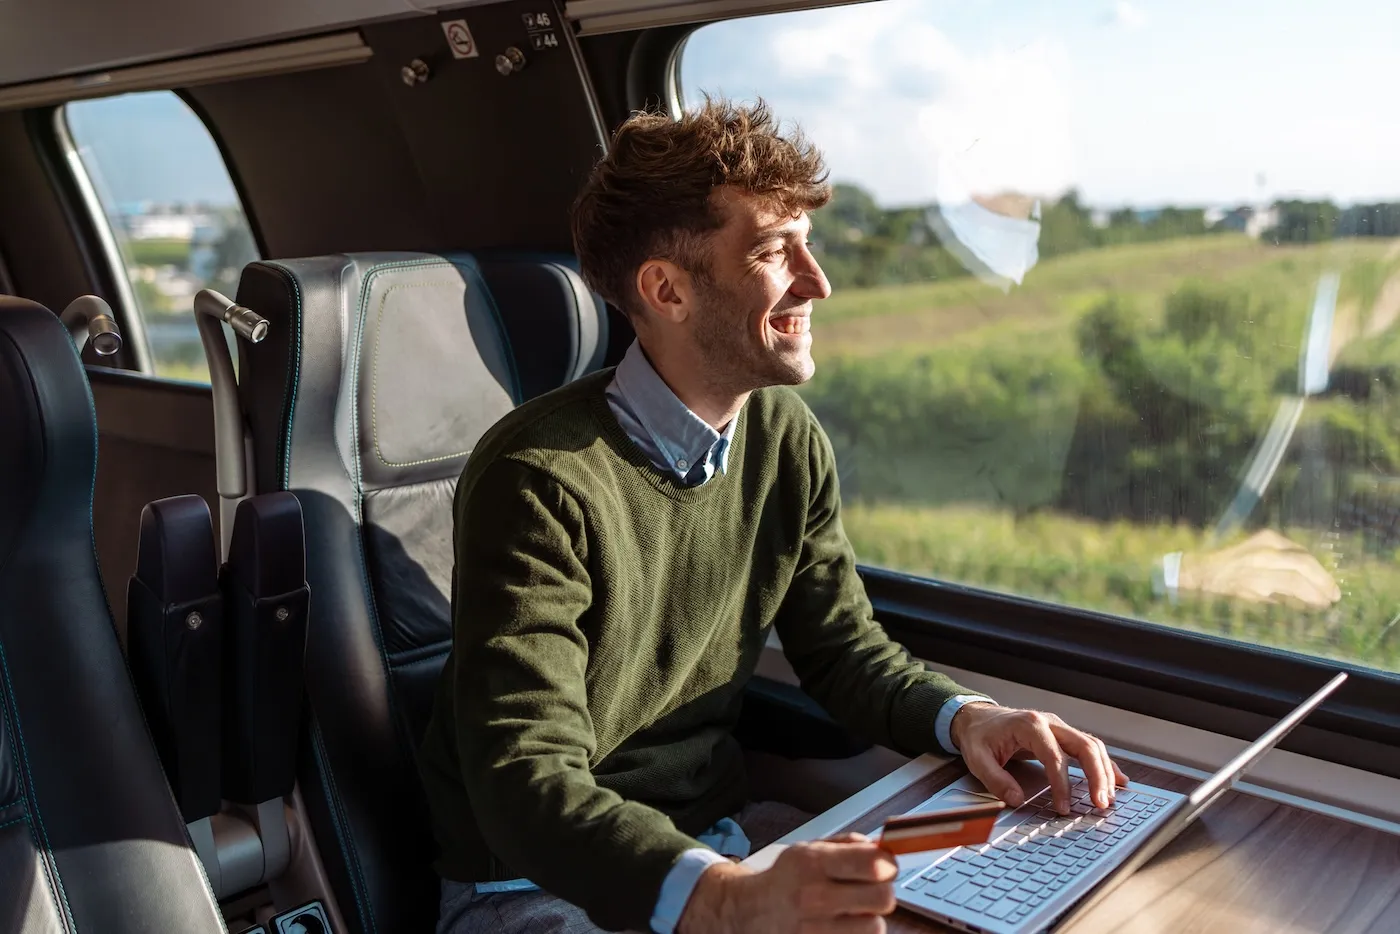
x: 459, y: 39
x: 540, y: 26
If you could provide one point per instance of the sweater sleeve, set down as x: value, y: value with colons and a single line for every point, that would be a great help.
x: 842, y: 656
x: 525, y: 738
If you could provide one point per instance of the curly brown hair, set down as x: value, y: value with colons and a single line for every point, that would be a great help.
x: 650, y: 196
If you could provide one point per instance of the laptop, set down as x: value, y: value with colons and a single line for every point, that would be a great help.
x: 1038, y: 870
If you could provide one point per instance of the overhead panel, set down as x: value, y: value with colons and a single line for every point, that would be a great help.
x: 42, y: 39
x: 342, y: 48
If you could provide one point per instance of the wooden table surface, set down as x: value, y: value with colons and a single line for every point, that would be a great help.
x: 1246, y: 865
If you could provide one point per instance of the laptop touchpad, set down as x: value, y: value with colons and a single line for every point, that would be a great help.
x: 968, y: 790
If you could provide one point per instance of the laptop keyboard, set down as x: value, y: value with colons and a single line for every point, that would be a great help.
x: 1009, y: 878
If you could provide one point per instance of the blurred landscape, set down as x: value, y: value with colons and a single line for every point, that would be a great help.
x: 1056, y: 440
x: 172, y: 251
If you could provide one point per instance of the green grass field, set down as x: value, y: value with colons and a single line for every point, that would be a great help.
x: 952, y: 406
x: 1106, y: 567
x: 966, y: 313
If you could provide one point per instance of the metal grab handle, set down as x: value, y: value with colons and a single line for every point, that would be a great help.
x: 246, y: 323
x: 89, y: 318
x: 210, y: 309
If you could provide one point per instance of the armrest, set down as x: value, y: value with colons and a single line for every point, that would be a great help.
x: 175, y: 647
x: 266, y: 598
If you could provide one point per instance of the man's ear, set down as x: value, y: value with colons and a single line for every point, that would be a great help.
x: 665, y: 289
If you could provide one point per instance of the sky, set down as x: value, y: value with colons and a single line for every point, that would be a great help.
x: 1132, y: 102
x: 148, y: 147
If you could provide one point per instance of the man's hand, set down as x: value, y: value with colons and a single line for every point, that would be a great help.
x: 1266, y: 568
x: 836, y: 886
x: 990, y: 736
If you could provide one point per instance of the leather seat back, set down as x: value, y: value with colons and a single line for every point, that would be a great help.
x: 90, y: 837
x: 378, y: 375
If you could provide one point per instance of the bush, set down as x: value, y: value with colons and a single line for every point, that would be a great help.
x: 946, y: 426
x: 1154, y: 419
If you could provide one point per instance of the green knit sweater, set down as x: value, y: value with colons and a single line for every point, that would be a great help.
x: 605, y: 622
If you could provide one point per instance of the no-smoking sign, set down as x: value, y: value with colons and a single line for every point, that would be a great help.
x: 459, y: 39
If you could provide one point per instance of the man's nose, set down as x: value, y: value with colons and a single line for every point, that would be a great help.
x: 811, y: 281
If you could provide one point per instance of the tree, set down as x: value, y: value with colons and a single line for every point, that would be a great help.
x: 233, y: 250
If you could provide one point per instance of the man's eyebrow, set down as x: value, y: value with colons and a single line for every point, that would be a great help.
x: 785, y: 232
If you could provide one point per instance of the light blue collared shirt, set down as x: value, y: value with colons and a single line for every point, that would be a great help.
x: 672, y: 437
x: 684, y: 445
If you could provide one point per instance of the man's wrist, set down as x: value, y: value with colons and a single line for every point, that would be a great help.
x: 710, y: 907
x: 958, y: 726
x: 678, y: 887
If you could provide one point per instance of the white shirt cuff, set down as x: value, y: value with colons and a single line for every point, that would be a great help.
x: 943, y: 724
x: 677, y: 887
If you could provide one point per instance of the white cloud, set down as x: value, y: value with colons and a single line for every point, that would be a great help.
x: 997, y: 120
x: 1128, y: 15
x: 1025, y: 95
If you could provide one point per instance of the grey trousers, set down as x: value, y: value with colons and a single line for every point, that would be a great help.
x: 463, y: 911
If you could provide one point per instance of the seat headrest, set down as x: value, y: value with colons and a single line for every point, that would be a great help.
x: 411, y: 356
x: 558, y: 328
x: 48, y: 431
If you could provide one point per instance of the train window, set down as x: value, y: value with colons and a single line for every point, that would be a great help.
x: 1116, y: 310
x: 167, y: 198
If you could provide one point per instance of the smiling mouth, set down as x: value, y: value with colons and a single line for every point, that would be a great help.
x: 790, y: 324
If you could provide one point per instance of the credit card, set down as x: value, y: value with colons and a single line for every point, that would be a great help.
x: 939, y: 830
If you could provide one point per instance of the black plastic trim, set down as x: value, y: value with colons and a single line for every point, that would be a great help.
x: 98, y: 373
x: 651, y: 66
x: 1233, y: 688
x: 240, y: 192
x: 43, y: 132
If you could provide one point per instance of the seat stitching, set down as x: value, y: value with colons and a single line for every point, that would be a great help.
x: 515, y: 390
x: 374, y: 383
x: 339, y: 820
x: 30, y: 794
x: 294, y: 371
x: 13, y: 821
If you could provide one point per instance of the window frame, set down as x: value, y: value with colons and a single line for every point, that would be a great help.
x: 59, y: 152
x: 1230, y: 687
x: 99, y: 240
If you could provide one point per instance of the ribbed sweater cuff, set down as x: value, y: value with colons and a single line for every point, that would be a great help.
x: 628, y: 904
x: 916, y: 712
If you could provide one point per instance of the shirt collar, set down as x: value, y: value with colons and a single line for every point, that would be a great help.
x: 685, y: 439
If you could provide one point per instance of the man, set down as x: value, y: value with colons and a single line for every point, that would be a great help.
x: 623, y: 547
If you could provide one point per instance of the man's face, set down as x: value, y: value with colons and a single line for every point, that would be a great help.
x: 752, y: 323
